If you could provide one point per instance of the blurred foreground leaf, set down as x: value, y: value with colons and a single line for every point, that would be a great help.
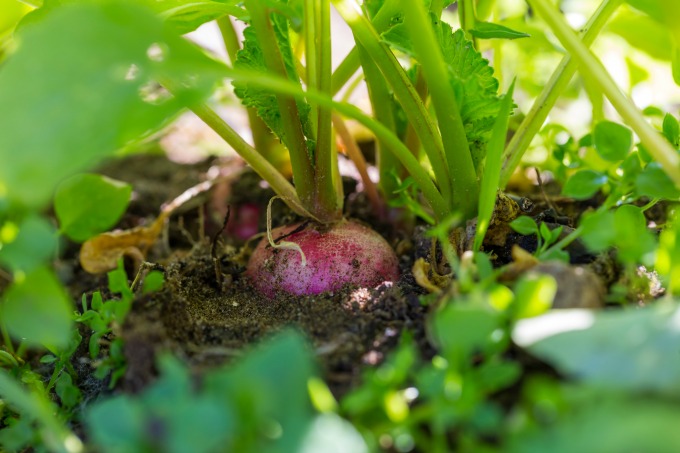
x: 89, y: 204
x: 608, y: 423
x: 82, y: 85
x: 258, y: 404
x: 36, y: 308
x: 635, y: 349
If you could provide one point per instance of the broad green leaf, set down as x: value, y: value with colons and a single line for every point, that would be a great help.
x: 599, y: 230
x: 89, y: 204
x: 612, y: 141
x: 489, y: 30
x: 654, y: 183
x: 35, y: 244
x: 605, y: 423
x: 12, y: 11
x: 534, y: 295
x: 584, y: 184
x: 524, y: 225
x: 462, y: 330
x: 36, y: 308
x: 634, y: 241
x: 663, y: 11
x: 624, y: 349
x: 492, y: 168
x: 103, y: 60
x: 644, y: 33
x: 254, y: 386
x: 116, y: 424
x: 625, y: 228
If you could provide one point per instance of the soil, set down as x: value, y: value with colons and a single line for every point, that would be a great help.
x: 209, y: 321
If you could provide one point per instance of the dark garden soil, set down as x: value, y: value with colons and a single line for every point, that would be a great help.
x: 208, y: 320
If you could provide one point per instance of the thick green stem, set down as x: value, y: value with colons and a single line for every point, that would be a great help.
x: 591, y: 67
x: 395, y: 75
x: 326, y: 197
x: 466, y: 15
x: 460, y: 166
x: 293, y: 136
x: 311, y: 64
x: 534, y: 120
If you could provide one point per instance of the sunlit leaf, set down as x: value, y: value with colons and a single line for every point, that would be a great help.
x: 584, y: 184
x: 524, y: 225
x: 34, y: 245
x: 89, y: 204
x: 534, y: 295
x: 612, y: 141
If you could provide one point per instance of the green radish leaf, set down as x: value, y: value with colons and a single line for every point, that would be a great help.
x: 584, y: 184
x: 489, y: 30
x: 59, y: 125
x: 492, y: 168
x: 38, y: 310
x: 29, y: 245
x: 671, y: 129
x: 612, y: 141
x: 524, y: 225
x: 89, y: 204
x: 653, y: 182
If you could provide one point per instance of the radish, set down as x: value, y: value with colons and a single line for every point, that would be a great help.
x: 342, y: 254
